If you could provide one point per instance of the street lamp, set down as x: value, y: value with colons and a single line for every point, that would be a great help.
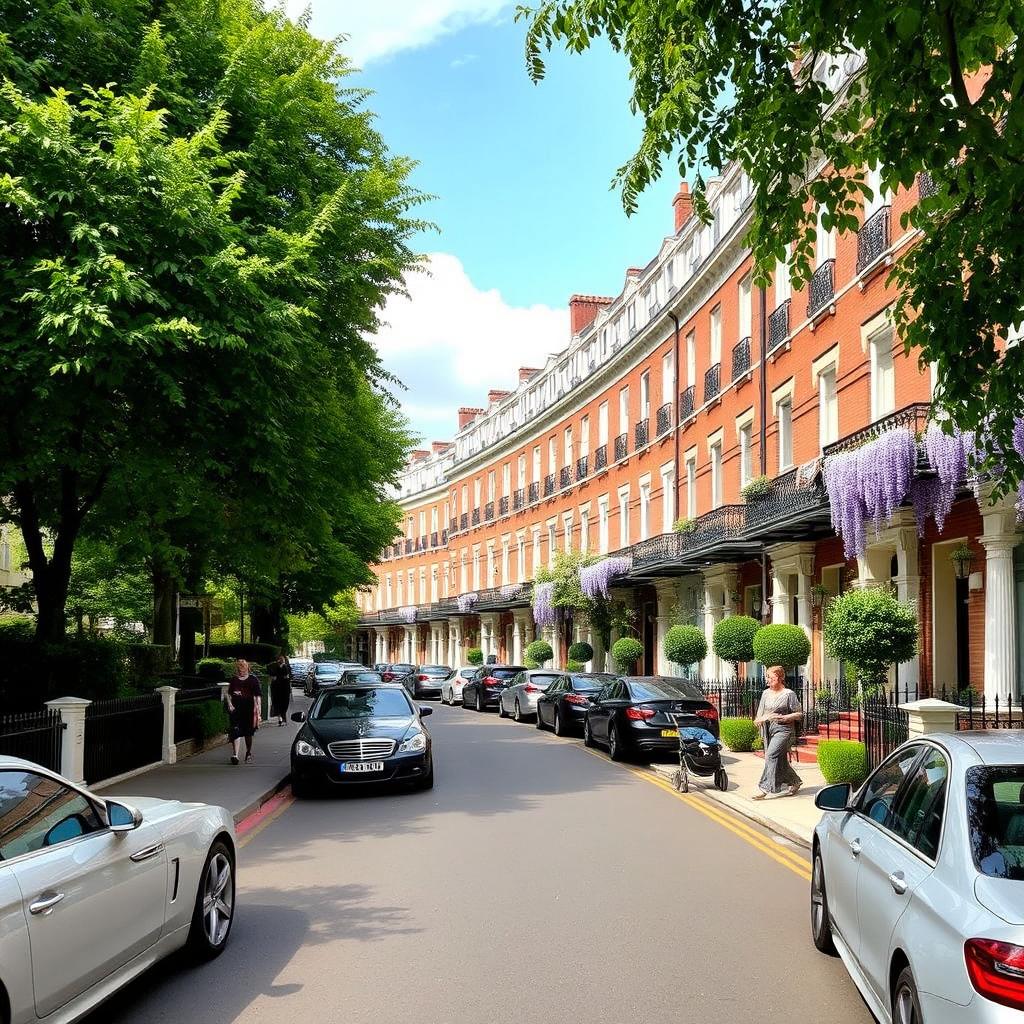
x: 961, y: 556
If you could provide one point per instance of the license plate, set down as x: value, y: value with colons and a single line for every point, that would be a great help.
x: 670, y: 733
x: 361, y: 766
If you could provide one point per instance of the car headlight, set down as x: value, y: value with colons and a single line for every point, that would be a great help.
x: 306, y: 749
x: 417, y: 741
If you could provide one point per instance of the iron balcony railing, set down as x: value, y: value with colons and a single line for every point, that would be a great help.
x: 453, y: 524
x: 926, y: 187
x: 778, y: 326
x: 784, y: 499
x: 476, y: 517
x: 821, y: 290
x: 600, y: 458
x: 686, y: 399
x: 518, y: 498
x: 444, y: 536
x: 581, y: 468
x: 408, y: 547
x: 435, y: 538
x: 503, y: 505
x: 873, y: 239
x: 740, y: 358
x: 664, y: 418
x: 565, y: 477
x: 534, y: 492
x: 621, y: 447
x: 549, y: 485
x: 722, y: 523
x: 464, y: 521
x: 712, y: 381
x: 914, y: 417
x: 640, y: 433
x: 488, y: 511
x: 423, y: 544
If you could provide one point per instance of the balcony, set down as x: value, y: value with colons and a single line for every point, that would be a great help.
x: 476, y: 517
x: 435, y: 538
x: 601, y: 458
x: 821, y: 290
x: 740, y: 358
x: 914, y: 417
x: 565, y: 477
x: 641, y: 434
x: 549, y: 485
x: 444, y: 537
x: 422, y: 545
x: 790, y: 497
x: 408, y: 547
x: 453, y: 524
x: 503, y: 505
x: 686, y: 400
x: 778, y: 326
x: 518, y: 499
x: 926, y: 187
x: 464, y: 522
x: 621, y: 447
x: 712, y: 382
x: 581, y: 468
x: 534, y: 493
x: 489, y: 512
x: 664, y: 419
x: 873, y: 239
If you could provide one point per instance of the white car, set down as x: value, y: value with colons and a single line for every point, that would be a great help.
x: 918, y: 880
x: 519, y: 698
x: 94, y: 891
x: 451, y: 689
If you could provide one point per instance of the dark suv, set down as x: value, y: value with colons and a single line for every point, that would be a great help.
x: 484, y: 689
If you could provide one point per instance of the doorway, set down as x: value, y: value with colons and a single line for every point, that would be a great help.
x: 649, y: 612
x: 963, y: 635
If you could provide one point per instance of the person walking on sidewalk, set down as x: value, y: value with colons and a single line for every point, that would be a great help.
x: 280, y: 688
x: 777, y: 715
x: 244, y: 697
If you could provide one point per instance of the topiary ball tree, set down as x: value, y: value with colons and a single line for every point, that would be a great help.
x: 781, y: 644
x: 869, y: 629
x: 581, y: 651
x: 475, y: 656
x: 539, y: 651
x: 626, y: 652
x: 733, y: 639
x: 685, y: 645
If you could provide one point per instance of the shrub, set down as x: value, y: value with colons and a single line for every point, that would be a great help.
x: 759, y: 487
x: 685, y: 645
x: 738, y: 734
x: 575, y: 666
x: 581, y: 651
x: 684, y: 525
x: 871, y: 630
x: 200, y: 722
x: 147, y: 661
x: 475, y: 656
x: 843, y: 761
x: 539, y: 651
x: 626, y: 652
x: 733, y: 639
x: 530, y: 663
x: 781, y: 644
x: 258, y: 654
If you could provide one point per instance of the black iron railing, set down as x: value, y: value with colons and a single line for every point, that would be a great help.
x: 641, y: 433
x: 621, y: 447
x: 665, y: 547
x: 423, y: 543
x: 534, y: 492
x: 33, y: 736
x: 488, y: 511
x: 518, y: 498
x: 122, y: 735
x: 565, y: 477
x: 926, y: 187
x: 581, y: 468
x: 886, y: 726
x: 549, y: 485
x: 873, y: 239
x: 821, y: 291
x: 408, y: 547
x: 464, y: 521
x: 600, y: 458
x: 784, y: 499
x: 435, y: 539
x: 719, y: 524
x: 503, y: 505
x: 664, y: 419
x: 686, y: 400
x: 475, y: 517
x: 712, y: 381
x: 453, y: 524
x: 778, y: 325
x: 914, y: 417
x: 444, y: 536
x: 740, y: 358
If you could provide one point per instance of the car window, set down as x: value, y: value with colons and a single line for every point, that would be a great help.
x: 587, y: 684
x: 370, y: 703
x: 879, y: 793
x: 664, y: 689
x: 995, y: 820
x: 921, y: 804
x: 363, y: 677
x: 37, y: 811
x: 325, y: 669
x: 538, y: 678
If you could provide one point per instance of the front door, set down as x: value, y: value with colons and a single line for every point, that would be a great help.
x: 647, y: 611
x: 963, y: 635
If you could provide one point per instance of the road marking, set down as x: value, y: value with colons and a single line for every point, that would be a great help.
x: 256, y: 822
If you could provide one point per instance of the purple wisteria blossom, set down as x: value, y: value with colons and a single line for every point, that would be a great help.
x: 594, y: 579
x: 407, y: 613
x: 842, y: 482
x: 1018, y: 447
x: 466, y: 602
x: 510, y: 590
x: 950, y: 456
x: 544, y: 611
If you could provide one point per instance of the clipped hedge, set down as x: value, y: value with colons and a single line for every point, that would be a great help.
x: 217, y: 670
x: 738, y: 734
x: 575, y: 666
x: 475, y: 656
x: 781, y: 644
x: 200, y: 722
x: 258, y: 654
x: 148, y: 661
x: 843, y: 761
x: 580, y: 651
x: 733, y: 639
x: 539, y: 651
x: 685, y: 645
x: 626, y: 652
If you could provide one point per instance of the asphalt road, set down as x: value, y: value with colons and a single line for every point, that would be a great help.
x: 536, y: 883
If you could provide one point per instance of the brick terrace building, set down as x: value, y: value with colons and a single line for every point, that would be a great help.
x: 667, y: 400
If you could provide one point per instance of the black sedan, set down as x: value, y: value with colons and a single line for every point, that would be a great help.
x: 362, y: 734
x: 396, y: 673
x: 426, y: 680
x: 640, y: 716
x: 563, y: 705
x: 484, y: 689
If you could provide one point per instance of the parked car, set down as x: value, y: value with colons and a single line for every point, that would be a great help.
x: 482, y: 689
x: 426, y: 680
x: 563, y: 705
x: 640, y: 716
x: 917, y: 880
x: 380, y: 666
x: 362, y: 733
x: 357, y: 676
x: 519, y: 698
x: 396, y: 672
x: 451, y: 688
x: 86, y: 895
x: 300, y: 669
x: 322, y: 673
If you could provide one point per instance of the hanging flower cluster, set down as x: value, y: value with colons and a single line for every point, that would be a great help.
x: 510, y: 590
x: 950, y: 456
x: 466, y: 602
x: 1018, y: 447
x: 594, y: 579
x: 407, y: 613
x: 544, y: 611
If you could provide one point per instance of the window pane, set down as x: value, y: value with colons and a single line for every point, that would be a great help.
x: 918, y: 816
x: 37, y: 811
x: 876, y: 801
x: 995, y: 819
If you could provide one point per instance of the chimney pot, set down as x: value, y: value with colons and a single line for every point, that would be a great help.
x: 583, y: 309
x: 683, y: 205
x: 467, y: 414
x: 496, y: 396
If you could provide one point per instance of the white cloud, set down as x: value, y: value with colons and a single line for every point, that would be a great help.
x: 461, y: 62
x: 450, y: 343
x: 384, y: 27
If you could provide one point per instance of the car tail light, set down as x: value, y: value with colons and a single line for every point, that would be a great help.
x: 996, y: 970
x: 422, y: 678
x: 388, y: 676
x: 530, y: 688
x: 491, y: 681
x: 575, y: 698
x: 709, y: 713
x: 639, y: 714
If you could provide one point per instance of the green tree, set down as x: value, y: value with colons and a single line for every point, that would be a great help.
x: 626, y: 652
x: 781, y: 643
x: 685, y: 645
x: 733, y: 639
x: 935, y: 88
x: 871, y: 630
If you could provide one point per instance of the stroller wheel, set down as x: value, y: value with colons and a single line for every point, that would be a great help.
x: 721, y: 780
x: 682, y: 782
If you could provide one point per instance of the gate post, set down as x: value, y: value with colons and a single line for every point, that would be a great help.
x: 168, y: 750
x: 72, y: 746
x: 930, y: 715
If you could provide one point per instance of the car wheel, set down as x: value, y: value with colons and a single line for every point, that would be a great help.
x: 558, y: 727
x: 821, y: 929
x: 301, y: 789
x: 479, y: 701
x: 906, y: 1007
x: 501, y: 708
x: 614, y: 743
x: 517, y: 712
x: 540, y: 722
x: 427, y: 782
x: 588, y: 736
x: 215, y: 904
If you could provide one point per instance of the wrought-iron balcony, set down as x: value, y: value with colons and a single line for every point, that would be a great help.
x: 778, y: 326
x: 518, y: 499
x: 664, y: 419
x: 423, y: 544
x: 712, y: 382
x: 464, y: 521
x: 476, y: 517
x: 601, y: 458
x: 786, y: 498
x: 914, y: 417
x: 581, y: 468
x: 444, y: 537
x: 408, y: 547
x: 488, y: 511
x: 722, y: 523
x: 686, y: 400
x: 565, y: 477
x: 621, y: 447
x: 821, y: 290
x: 435, y: 539
x: 453, y: 524
x: 534, y: 493
x: 740, y: 358
x: 549, y: 485
x: 873, y: 239
x: 641, y: 433
x: 926, y: 187
x: 503, y: 505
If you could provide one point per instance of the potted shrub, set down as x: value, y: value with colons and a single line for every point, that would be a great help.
x: 475, y: 656
x: 539, y: 651
x: 781, y: 644
x: 581, y: 652
x: 626, y: 652
x: 684, y: 525
x: 685, y: 645
x: 843, y: 761
x: 870, y: 629
x: 733, y: 639
x: 758, y: 487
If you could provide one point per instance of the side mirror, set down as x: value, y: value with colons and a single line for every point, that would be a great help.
x: 425, y: 711
x: 298, y: 716
x: 834, y: 798
x: 122, y: 817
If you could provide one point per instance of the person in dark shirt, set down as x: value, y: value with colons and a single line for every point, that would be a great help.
x: 280, y: 688
x: 244, y: 697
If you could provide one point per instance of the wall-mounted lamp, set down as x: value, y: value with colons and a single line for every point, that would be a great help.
x: 961, y: 556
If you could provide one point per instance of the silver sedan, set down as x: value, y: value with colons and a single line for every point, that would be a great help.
x: 519, y: 698
x: 918, y: 880
x: 451, y: 688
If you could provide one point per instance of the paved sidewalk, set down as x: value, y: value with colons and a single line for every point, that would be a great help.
x: 210, y: 778
x: 793, y: 817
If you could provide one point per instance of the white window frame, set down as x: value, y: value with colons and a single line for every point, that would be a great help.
x: 668, y: 377
x: 603, y: 522
x: 715, y: 458
x: 668, y: 496
x: 691, y: 359
x: 602, y: 424
x: 585, y: 527
x: 716, y: 335
x: 623, y: 494
x: 744, y: 299
x: 624, y: 410
x: 691, y: 483
x: 645, y: 506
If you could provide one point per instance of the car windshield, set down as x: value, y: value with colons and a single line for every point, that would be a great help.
x: 505, y: 672
x: 363, y: 677
x: 369, y: 703
x: 664, y: 689
x: 590, y: 684
x: 995, y: 820
x: 325, y: 669
x: 435, y: 670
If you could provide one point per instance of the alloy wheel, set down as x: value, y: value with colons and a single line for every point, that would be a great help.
x: 817, y: 898
x: 905, y: 1006
x: 218, y: 900
x: 557, y: 726
x: 613, y: 742
x: 517, y: 713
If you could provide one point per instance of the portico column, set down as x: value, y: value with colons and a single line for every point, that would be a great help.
x: 409, y: 646
x: 668, y: 597
x: 908, y: 590
x: 709, y: 669
x: 455, y: 656
x: 999, y: 539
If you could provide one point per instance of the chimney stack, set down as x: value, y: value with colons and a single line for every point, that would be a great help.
x: 496, y: 396
x: 418, y: 455
x: 467, y: 415
x: 527, y: 373
x: 683, y: 205
x: 440, y: 446
x: 583, y: 309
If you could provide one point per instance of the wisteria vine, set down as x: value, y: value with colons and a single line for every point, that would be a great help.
x: 466, y: 601
x: 544, y: 611
x: 595, y: 579
x: 407, y: 613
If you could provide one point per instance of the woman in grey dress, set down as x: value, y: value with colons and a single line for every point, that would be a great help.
x: 777, y: 715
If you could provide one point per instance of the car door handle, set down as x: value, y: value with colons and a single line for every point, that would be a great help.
x: 855, y: 848
x: 898, y: 883
x: 46, y: 902
x: 147, y: 852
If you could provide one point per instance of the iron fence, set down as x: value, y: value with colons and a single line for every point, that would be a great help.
x: 1000, y: 711
x: 712, y: 381
x: 34, y: 736
x: 822, y: 288
x: 778, y: 325
x: 886, y: 726
x: 740, y: 358
x: 121, y: 735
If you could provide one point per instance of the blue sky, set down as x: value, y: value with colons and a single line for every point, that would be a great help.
x: 521, y: 174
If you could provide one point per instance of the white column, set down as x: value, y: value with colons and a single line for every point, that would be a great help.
x: 455, y: 653
x: 709, y: 670
x: 408, y: 645
x: 169, y: 750
x: 551, y: 635
x: 668, y: 597
x: 72, y: 747
x: 999, y: 539
x: 908, y: 590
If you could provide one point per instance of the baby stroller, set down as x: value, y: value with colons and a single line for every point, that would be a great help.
x: 700, y: 754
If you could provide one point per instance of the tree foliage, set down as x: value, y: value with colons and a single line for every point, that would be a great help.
x: 538, y: 651
x: 871, y: 630
x: 782, y: 644
x: 626, y: 652
x: 733, y: 638
x: 685, y: 645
